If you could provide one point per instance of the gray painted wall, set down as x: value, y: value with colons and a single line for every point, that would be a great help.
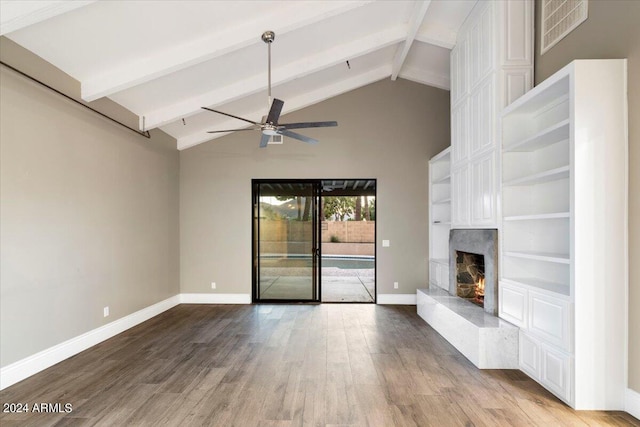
x: 387, y: 130
x: 612, y: 31
x: 89, y: 218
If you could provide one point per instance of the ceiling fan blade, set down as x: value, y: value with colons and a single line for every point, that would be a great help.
x: 297, y: 136
x: 308, y: 125
x: 229, y: 130
x: 230, y: 115
x: 264, y: 140
x: 274, y: 111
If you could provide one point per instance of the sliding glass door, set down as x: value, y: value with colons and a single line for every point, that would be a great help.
x: 286, y: 243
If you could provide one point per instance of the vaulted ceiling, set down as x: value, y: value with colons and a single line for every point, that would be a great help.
x: 163, y: 60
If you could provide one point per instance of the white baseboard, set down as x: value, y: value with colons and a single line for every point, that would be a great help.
x: 42, y: 360
x: 397, y: 299
x: 632, y: 402
x: 215, y: 298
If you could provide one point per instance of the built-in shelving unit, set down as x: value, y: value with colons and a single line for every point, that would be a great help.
x: 491, y: 66
x: 563, y: 270
x: 439, y: 218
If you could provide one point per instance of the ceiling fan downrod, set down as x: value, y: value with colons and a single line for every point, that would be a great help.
x: 268, y: 37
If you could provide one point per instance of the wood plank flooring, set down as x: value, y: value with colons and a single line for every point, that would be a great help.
x: 287, y: 365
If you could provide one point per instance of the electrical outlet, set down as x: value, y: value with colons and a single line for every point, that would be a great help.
x: 105, y: 311
x: 386, y: 243
x: 395, y: 285
x: 213, y: 285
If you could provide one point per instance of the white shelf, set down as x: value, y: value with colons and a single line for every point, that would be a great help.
x: 439, y: 216
x: 540, y: 256
x: 540, y: 177
x: 442, y: 202
x: 443, y: 180
x: 559, y: 288
x: 549, y: 92
x: 551, y: 135
x: 555, y: 215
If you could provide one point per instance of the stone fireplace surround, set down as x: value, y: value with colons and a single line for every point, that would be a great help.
x: 483, y: 242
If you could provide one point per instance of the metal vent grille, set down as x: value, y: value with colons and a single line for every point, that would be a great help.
x: 559, y: 18
x: 276, y: 139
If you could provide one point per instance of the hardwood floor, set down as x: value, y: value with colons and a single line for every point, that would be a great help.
x: 287, y: 365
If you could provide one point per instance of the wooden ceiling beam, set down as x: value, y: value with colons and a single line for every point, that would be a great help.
x: 179, y: 57
x: 16, y: 15
x: 307, y: 65
x: 419, y: 12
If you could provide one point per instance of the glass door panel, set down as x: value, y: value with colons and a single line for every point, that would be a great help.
x: 286, y: 262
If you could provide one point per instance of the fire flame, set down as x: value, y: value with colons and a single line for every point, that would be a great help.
x: 480, y: 288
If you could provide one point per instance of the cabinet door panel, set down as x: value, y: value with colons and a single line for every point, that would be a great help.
x: 460, y: 132
x: 487, y: 43
x: 555, y: 371
x: 460, y: 197
x: 433, y: 273
x: 481, y: 135
x: 444, y: 276
x: 550, y: 319
x: 513, y: 304
x: 529, y: 356
x: 463, y: 70
x: 483, y: 193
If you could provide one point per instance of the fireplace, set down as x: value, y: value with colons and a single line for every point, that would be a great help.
x: 473, y: 266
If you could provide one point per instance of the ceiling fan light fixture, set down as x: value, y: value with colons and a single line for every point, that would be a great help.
x: 272, y: 131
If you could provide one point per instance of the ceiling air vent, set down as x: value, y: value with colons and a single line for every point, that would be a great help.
x: 276, y: 139
x: 559, y: 18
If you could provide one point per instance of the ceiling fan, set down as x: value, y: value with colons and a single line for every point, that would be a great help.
x: 269, y: 125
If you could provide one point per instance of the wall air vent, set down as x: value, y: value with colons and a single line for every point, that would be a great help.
x: 276, y: 139
x: 559, y: 18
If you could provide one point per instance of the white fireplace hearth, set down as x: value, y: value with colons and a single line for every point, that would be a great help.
x: 486, y: 340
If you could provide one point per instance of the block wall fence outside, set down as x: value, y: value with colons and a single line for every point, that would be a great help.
x: 349, y: 231
x: 295, y: 231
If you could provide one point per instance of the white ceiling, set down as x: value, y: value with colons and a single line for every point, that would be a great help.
x: 164, y: 60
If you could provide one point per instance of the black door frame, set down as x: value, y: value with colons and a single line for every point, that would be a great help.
x: 347, y: 192
x: 316, y: 241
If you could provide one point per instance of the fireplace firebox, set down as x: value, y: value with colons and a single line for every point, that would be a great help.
x: 473, y: 266
x: 470, y: 281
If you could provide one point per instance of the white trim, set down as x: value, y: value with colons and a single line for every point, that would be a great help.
x: 44, y: 359
x: 632, y: 402
x: 417, y: 17
x: 398, y: 299
x: 215, y: 298
x: 17, y: 15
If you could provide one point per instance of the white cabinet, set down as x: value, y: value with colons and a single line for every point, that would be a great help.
x: 491, y: 65
x: 563, y: 273
x: 529, y: 355
x: 550, y: 319
x: 460, y: 133
x: 483, y: 190
x: 555, y: 371
x: 513, y: 304
x: 460, y: 203
x: 439, y: 273
x: 551, y: 367
x: 440, y: 182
